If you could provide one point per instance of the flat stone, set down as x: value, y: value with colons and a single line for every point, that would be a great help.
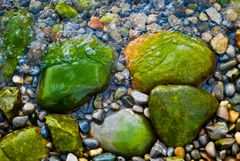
x: 105, y: 157
x: 214, y: 15
x: 65, y: 133
x: 186, y: 105
x: 10, y: 102
x: 120, y: 129
x: 220, y: 43
x: 172, y: 63
x: 25, y: 144
x: 140, y: 98
x: 225, y: 142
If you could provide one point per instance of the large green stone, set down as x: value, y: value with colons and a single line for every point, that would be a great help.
x: 168, y: 57
x: 124, y: 133
x: 74, y: 69
x: 178, y: 112
x: 16, y: 35
x: 25, y: 144
x: 10, y: 102
x: 65, y: 133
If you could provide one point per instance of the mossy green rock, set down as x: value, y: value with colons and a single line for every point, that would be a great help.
x: 16, y: 35
x: 179, y: 111
x: 124, y: 133
x: 73, y: 69
x: 66, y: 11
x: 25, y: 144
x: 65, y: 133
x: 10, y: 102
x: 168, y: 57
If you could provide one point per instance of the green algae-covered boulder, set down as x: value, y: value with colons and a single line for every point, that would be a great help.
x: 179, y: 111
x: 65, y: 133
x: 168, y: 57
x: 10, y: 101
x: 73, y: 69
x: 66, y: 11
x: 16, y: 35
x: 124, y: 133
x: 25, y: 144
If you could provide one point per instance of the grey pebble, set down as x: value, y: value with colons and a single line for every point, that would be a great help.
x: 218, y: 90
x: 159, y: 149
x: 170, y: 151
x: 140, y: 98
x: 228, y: 65
x: 217, y: 130
x: 28, y: 108
x: 235, y: 149
x: 146, y: 112
x: 20, y: 121
x: 54, y: 158
x: 121, y: 91
x: 138, y: 109
x: 229, y: 89
x: 222, y: 154
x: 203, y: 139
x: 231, y: 51
x: 137, y: 159
x: 195, y: 154
x: 188, y: 147
x: 98, y: 115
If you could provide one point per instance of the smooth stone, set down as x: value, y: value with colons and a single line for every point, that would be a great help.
x: 233, y: 116
x: 90, y: 143
x: 233, y: 73
x: 222, y: 112
x: 44, y: 132
x: 120, y: 129
x: 195, y: 154
x: 229, y: 89
x: 10, y: 102
x: 71, y: 157
x: 28, y: 108
x: 19, y: 121
x: 214, y: 15
x: 237, y: 137
x: 203, y: 139
x: 238, y: 125
x: 128, y: 101
x: 105, y: 157
x: 121, y: 91
x: 17, y: 33
x: 168, y: 105
x: 225, y: 142
x: 138, y: 109
x: 140, y: 98
x: 65, y: 133
x: 220, y: 43
x: 211, y: 149
x: 54, y: 158
x: 218, y: 90
x: 168, y: 58
x: 85, y: 62
x: 115, y: 106
x: 11, y: 146
x: 217, y: 130
x: 84, y: 126
x: 238, y: 84
x: 238, y: 38
x: 228, y: 65
x: 99, y: 115
x: 235, y: 149
x: 179, y: 152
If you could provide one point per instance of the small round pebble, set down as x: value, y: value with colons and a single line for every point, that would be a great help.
x: 179, y: 151
x: 28, y: 108
x: 71, y: 157
x: 233, y: 116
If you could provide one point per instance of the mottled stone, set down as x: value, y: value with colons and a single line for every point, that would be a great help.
x: 220, y: 43
x: 25, y: 144
x: 10, y: 102
x: 168, y: 58
x: 65, y: 133
x: 186, y: 105
x: 66, y: 11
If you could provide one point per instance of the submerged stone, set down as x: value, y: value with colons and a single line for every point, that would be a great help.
x: 25, y: 144
x: 84, y: 4
x: 73, y: 69
x: 124, y: 133
x: 65, y: 134
x: 66, y: 11
x: 178, y: 112
x: 16, y: 35
x: 168, y: 57
x: 10, y: 102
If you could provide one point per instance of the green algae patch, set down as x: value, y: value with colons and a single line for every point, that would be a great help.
x: 10, y: 101
x: 178, y: 112
x: 66, y: 11
x: 168, y: 57
x: 25, y: 144
x: 124, y: 133
x: 17, y: 33
x: 65, y: 133
x: 74, y: 69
